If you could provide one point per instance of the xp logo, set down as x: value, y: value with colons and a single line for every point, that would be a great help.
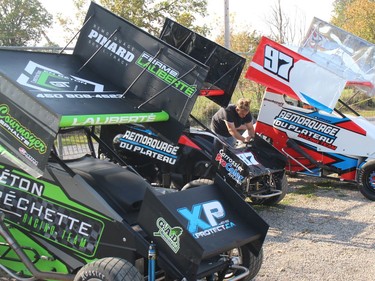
x: 277, y: 62
x: 206, y: 218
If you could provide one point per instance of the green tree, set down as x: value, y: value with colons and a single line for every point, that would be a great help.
x: 339, y: 7
x: 357, y: 17
x: 22, y: 22
x: 149, y: 14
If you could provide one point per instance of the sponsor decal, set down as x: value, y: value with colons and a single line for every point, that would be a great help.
x: 28, y: 156
x: 107, y: 119
x: 233, y: 168
x: 206, y: 219
x: 21, y: 198
x: 275, y: 102
x: 19, y: 131
x: 78, y: 96
x: 150, y: 146
x: 115, y: 47
x: 42, y: 78
x: 171, y: 235
x: 310, y: 129
x: 165, y: 73
x: 248, y: 158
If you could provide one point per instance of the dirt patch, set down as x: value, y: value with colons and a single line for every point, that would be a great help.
x: 322, y: 230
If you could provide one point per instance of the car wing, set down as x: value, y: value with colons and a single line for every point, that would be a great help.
x: 116, y: 74
x: 343, y: 53
x: 288, y: 72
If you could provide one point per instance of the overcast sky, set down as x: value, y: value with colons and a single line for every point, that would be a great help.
x: 254, y: 13
x: 246, y: 13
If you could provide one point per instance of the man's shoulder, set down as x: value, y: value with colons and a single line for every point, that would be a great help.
x: 230, y: 108
x: 248, y: 118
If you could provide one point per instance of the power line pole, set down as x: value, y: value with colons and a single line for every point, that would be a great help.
x: 226, y: 25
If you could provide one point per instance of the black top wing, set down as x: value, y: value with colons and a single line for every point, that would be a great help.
x: 117, y: 74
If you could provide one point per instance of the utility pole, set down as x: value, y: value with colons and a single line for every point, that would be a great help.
x: 226, y: 25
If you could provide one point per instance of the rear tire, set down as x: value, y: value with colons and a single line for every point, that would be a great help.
x: 109, y: 269
x: 367, y: 180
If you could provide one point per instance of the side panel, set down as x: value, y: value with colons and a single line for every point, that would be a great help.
x: 327, y: 138
x: 47, y: 221
x: 141, y: 65
x: 27, y: 132
x: 193, y: 225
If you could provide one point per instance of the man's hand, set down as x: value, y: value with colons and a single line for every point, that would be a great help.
x: 247, y: 139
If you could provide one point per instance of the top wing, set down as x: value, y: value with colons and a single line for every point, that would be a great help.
x: 225, y: 65
x: 343, y: 53
x: 117, y: 74
x: 290, y: 73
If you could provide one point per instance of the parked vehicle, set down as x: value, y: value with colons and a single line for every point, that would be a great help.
x: 303, y: 113
x: 255, y: 171
x: 64, y: 216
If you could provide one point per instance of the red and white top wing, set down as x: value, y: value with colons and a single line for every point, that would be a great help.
x: 292, y: 74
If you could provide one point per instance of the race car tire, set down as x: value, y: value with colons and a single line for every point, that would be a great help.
x: 367, y: 180
x: 249, y: 260
x: 197, y: 182
x: 108, y: 269
x: 281, y: 183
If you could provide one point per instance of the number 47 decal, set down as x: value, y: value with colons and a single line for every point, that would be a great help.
x: 277, y: 62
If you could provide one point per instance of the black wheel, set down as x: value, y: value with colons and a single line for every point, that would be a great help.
x: 248, y: 260
x: 367, y: 180
x: 108, y: 269
x: 281, y: 183
x: 198, y: 182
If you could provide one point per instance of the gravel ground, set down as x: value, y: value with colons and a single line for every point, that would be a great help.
x: 322, y: 230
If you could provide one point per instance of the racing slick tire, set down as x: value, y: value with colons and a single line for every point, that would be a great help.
x: 197, y: 182
x: 366, y: 180
x: 281, y: 184
x: 108, y: 269
x: 248, y: 260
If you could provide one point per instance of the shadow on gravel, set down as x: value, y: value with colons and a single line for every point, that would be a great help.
x: 321, y: 211
x: 312, y: 186
x: 288, y: 223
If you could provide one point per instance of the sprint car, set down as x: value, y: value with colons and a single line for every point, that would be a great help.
x: 304, y: 114
x: 67, y: 214
x: 256, y: 171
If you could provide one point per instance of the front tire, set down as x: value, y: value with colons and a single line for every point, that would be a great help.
x: 248, y: 260
x: 367, y: 180
x: 281, y: 183
x: 108, y: 269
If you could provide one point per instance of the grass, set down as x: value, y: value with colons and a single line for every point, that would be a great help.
x: 309, y: 190
x: 318, y: 185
